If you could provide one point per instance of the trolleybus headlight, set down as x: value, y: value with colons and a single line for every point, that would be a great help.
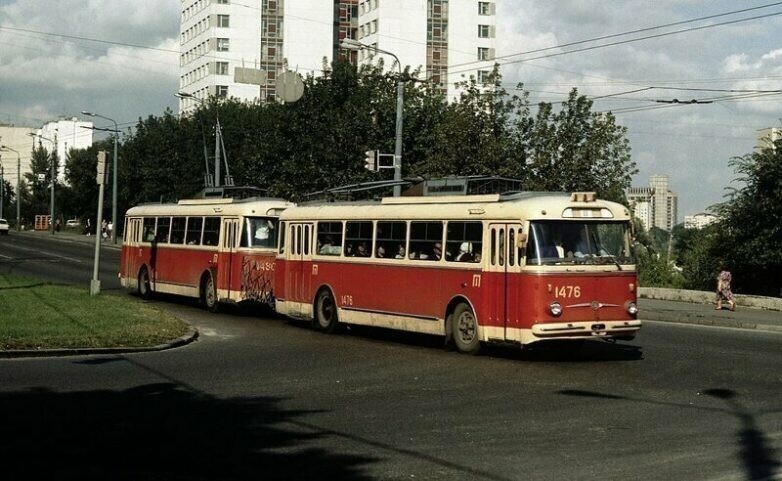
x: 555, y: 308
x: 632, y: 308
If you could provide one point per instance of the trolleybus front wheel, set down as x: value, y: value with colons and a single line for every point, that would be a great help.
x: 464, y: 330
x: 325, y: 311
x: 209, y: 293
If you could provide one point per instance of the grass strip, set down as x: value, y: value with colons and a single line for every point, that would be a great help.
x: 42, y: 315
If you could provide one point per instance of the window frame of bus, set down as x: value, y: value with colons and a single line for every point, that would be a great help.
x: 328, y: 231
x: 387, y: 242
x: 212, y: 232
x: 145, y: 224
x: 431, y: 240
x: 161, y: 238
x: 177, y: 235
x: 369, y: 239
x: 281, y: 238
x: 462, y: 239
x: 188, y: 231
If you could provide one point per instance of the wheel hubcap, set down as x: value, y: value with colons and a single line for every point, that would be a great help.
x: 210, y: 292
x: 466, y: 327
x: 326, y: 311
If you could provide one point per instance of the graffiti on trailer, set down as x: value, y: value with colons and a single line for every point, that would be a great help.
x: 257, y: 279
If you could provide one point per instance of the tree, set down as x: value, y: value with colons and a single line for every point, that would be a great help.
x: 749, y: 237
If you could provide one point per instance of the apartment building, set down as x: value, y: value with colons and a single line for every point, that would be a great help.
x: 445, y: 41
x: 656, y: 205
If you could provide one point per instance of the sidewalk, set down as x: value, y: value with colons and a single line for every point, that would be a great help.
x: 69, y: 236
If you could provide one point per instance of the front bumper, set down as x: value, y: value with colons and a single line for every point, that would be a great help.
x: 586, y: 329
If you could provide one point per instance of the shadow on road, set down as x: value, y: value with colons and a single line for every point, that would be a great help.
x: 160, y: 431
x: 759, y: 460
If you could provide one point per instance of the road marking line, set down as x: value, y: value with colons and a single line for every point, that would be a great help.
x: 46, y: 253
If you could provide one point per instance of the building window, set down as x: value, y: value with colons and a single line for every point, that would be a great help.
x: 484, y: 53
x: 484, y: 8
x: 221, y: 68
x: 222, y: 44
x: 271, y: 75
x: 271, y: 52
x: 222, y: 21
x: 222, y: 2
x: 272, y: 5
x: 436, y: 56
x: 483, y: 76
x: 484, y: 31
x: 221, y: 91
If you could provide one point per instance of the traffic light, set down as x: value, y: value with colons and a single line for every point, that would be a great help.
x: 370, y: 161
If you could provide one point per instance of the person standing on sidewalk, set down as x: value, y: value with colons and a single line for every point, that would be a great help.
x: 723, y: 290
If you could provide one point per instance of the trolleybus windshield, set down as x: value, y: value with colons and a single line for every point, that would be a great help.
x: 574, y: 242
x: 259, y: 232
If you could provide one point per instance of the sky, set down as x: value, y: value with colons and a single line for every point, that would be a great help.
x: 44, y: 77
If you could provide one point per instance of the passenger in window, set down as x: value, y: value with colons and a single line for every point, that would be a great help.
x: 349, y: 250
x: 362, y: 250
x: 465, y: 254
x: 262, y: 232
x: 325, y: 248
x: 400, y: 253
x: 437, y: 251
x: 381, y: 252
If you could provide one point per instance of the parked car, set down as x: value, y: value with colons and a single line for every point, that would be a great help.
x: 72, y: 223
x: 3, y: 227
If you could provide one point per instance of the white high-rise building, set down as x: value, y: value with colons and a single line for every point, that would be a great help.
x: 69, y: 134
x: 699, y: 220
x: 447, y: 41
x: 656, y: 205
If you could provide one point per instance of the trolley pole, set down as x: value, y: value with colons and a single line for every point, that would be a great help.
x: 101, y: 180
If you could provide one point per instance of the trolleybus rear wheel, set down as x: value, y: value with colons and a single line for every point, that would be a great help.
x: 325, y: 311
x: 143, y: 287
x: 209, y: 293
x: 465, y: 330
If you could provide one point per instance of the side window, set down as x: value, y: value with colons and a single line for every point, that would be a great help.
x: 281, y: 248
x: 390, y: 242
x: 329, y: 237
x: 298, y: 240
x: 194, y: 226
x: 501, y: 248
x: 211, y: 231
x: 426, y: 241
x: 511, y: 247
x: 464, y: 242
x: 177, y: 230
x: 163, y: 229
x: 358, y: 239
x: 149, y: 229
x: 494, y: 247
x: 307, y: 229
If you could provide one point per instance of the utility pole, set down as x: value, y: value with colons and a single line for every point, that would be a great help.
x: 54, y: 179
x: 2, y: 188
x: 114, y: 175
x: 101, y: 180
x: 18, y: 183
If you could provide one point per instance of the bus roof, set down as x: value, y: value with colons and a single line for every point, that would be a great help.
x: 515, y: 206
x: 260, y: 206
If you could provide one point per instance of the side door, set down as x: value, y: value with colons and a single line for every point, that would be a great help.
x: 504, y: 268
x: 132, y: 251
x: 225, y: 260
x: 299, y: 270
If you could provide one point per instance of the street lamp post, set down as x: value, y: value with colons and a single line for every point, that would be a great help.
x: 2, y: 189
x: 18, y: 183
x: 113, y: 176
x: 53, y: 175
x: 351, y: 44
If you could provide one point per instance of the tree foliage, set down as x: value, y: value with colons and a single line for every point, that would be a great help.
x: 749, y: 238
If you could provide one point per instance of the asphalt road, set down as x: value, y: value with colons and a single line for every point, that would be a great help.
x: 264, y: 398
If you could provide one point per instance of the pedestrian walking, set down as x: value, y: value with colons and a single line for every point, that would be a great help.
x: 109, y: 229
x: 724, y: 292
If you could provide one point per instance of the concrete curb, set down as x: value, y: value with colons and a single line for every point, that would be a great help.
x: 190, y: 336
x: 703, y: 321
x: 703, y: 297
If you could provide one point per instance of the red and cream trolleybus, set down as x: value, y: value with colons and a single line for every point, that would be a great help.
x: 517, y: 268
x: 218, y: 250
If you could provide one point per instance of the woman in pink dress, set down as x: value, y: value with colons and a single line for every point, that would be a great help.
x: 723, y: 290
